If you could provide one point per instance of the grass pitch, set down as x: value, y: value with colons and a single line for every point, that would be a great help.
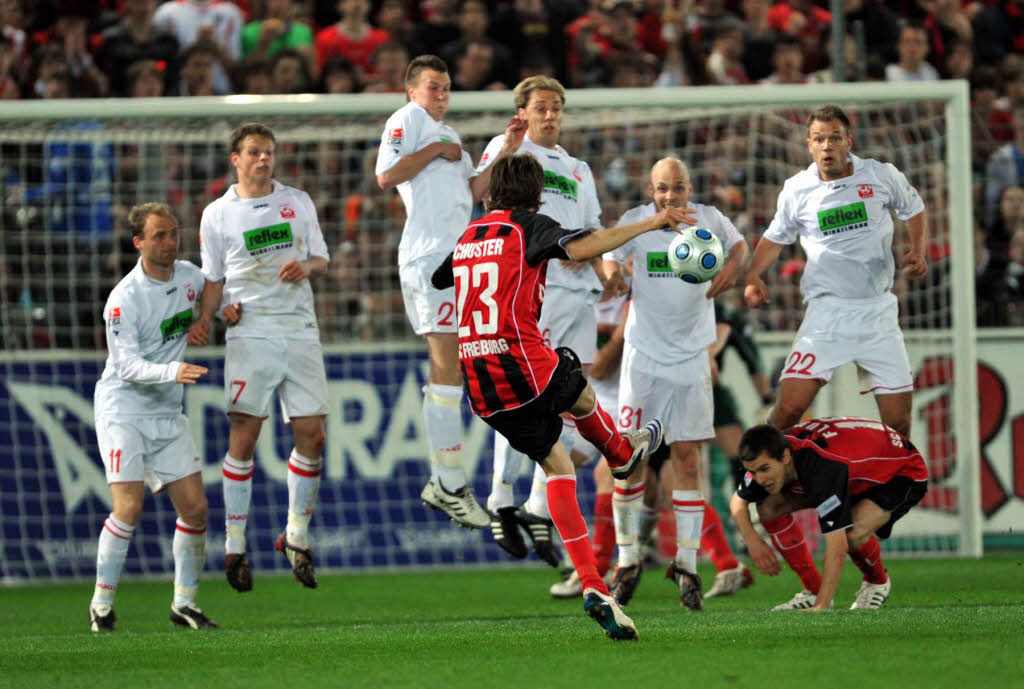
x: 948, y: 623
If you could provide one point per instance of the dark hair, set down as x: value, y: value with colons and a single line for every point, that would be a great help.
x: 305, y: 76
x: 827, y: 113
x: 249, y: 129
x: 516, y: 184
x: 763, y: 439
x: 138, y: 214
x: 338, y: 63
x: 787, y: 40
x: 420, y: 63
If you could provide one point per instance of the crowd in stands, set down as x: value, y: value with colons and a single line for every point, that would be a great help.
x: 144, y: 48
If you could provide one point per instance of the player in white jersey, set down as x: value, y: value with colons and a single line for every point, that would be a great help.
x: 567, y: 319
x: 423, y: 157
x: 143, y: 436
x: 261, y: 243
x: 839, y: 208
x: 666, y: 366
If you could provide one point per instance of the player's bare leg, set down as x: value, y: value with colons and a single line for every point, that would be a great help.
x: 447, y: 489
x: 795, y: 398
x: 304, y: 470
x: 866, y: 553
x: 688, y: 505
x: 114, y: 540
x: 894, y: 411
x: 237, y: 479
x: 189, y: 547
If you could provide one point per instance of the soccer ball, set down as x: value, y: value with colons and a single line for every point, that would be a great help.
x: 695, y: 256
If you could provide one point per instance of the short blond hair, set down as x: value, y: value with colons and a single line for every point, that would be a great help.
x: 539, y: 82
x: 138, y: 214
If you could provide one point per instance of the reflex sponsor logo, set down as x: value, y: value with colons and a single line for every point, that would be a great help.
x: 174, y: 327
x: 269, y: 238
x: 563, y: 186
x: 842, y: 219
x: 657, y: 265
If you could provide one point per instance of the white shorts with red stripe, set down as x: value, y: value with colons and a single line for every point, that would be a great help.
x: 837, y: 331
x: 155, y: 449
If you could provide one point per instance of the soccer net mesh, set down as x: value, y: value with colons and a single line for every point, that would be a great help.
x: 70, y: 178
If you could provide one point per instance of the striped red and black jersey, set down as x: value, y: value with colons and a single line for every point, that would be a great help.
x: 498, y: 268
x: 839, y: 458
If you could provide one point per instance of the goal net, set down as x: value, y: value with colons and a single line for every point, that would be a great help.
x: 71, y: 171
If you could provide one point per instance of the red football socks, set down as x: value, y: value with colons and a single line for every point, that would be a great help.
x: 714, y: 543
x: 869, y: 559
x: 565, y: 513
x: 604, y: 532
x: 599, y: 430
x: 789, y: 541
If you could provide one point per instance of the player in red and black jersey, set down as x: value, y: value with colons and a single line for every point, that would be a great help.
x: 515, y: 382
x: 859, y: 475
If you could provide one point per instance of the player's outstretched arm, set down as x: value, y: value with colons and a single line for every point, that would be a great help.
x: 766, y: 254
x: 731, y: 271
x: 411, y: 165
x: 597, y: 243
x: 835, y: 556
x: 761, y: 553
x: 914, y: 263
x: 199, y: 333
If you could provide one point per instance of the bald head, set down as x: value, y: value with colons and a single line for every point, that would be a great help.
x: 670, y: 183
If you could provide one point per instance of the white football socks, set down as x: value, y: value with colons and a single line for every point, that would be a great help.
x: 442, y: 421
x: 627, y: 501
x: 688, y: 506
x: 189, y: 548
x: 110, y: 555
x: 303, y: 488
x: 237, y: 496
x: 507, y: 465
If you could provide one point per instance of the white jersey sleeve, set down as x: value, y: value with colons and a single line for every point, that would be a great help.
x: 315, y: 244
x: 904, y: 199
x: 490, y: 154
x: 624, y: 252
x: 123, y: 318
x: 211, y: 245
x: 784, y: 228
x: 588, y: 197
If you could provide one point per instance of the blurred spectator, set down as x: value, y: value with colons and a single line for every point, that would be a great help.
x: 279, y: 30
x: 473, y: 23
x: 945, y: 22
x: 388, y: 74
x: 725, y: 63
x: 650, y: 25
x: 474, y: 65
x: 989, y: 124
x: 15, y: 39
x: 217, y: 24
x: 628, y: 70
x: 586, y: 44
x: 440, y: 29
x: 989, y: 283
x: 1004, y: 168
x: 289, y: 73
x: 393, y: 20
x: 85, y: 79
x: 959, y: 60
x: 9, y: 87
x: 352, y: 38
x: 1012, y: 98
x: 256, y: 78
x: 533, y: 32
x: 703, y: 21
x: 880, y: 24
x: 679, y: 66
x: 198, y: 68
x: 912, y: 49
x: 339, y: 76
x: 999, y: 30
x: 1009, y: 219
x: 145, y: 79
x: 787, y: 58
x: 1015, y: 280
x: 808, y: 22
x: 759, y: 39
x: 135, y: 38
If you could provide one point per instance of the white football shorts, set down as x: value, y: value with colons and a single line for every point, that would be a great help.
x: 254, y: 367
x: 836, y: 331
x: 155, y: 449
x: 679, y: 396
x: 567, y: 319
x: 429, y: 310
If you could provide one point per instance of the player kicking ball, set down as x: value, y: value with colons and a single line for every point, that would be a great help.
x: 143, y: 435
x: 518, y: 385
x: 859, y: 475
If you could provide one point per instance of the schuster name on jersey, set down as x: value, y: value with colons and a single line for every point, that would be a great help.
x: 487, y: 247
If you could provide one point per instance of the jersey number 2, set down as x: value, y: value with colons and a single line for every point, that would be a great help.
x: 484, y: 275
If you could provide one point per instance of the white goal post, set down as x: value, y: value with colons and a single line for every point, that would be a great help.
x: 370, y: 513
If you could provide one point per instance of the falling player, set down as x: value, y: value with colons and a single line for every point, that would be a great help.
x: 143, y: 436
x: 666, y: 366
x: 423, y: 157
x: 261, y: 243
x: 515, y: 382
x: 859, y: 475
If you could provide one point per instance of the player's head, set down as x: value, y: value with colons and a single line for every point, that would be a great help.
x: 540, y: 100
x: 154, y: 233
x: 829, y: 141
x: 428, y: 85
x: 765, y: 453
x: 252, y: 153
x: 516, y: 184
x: 669, y: 185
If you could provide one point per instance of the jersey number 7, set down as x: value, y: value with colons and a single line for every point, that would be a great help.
x: 484, y: 275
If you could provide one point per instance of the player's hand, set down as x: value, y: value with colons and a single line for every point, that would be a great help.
x: 449, y: 150
x: 515, y: 132
x: 763, y: 557
x: 614, y: 286
x: 293, y: 271
x: 232, y: 313
x: 715, y: 375
x: 673, y: 217
x: 726, y: 279
x: 199, y: 333
x: 914, y: 265
x: 190, y: 373
x: 755, y: 293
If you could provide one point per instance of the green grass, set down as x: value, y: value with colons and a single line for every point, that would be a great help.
x: 949, y: 623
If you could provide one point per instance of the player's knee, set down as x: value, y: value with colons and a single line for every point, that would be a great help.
x: 195, y: 511
x: 900, y: 424
x: 857, y: 537
x: 128, y: 510
x: 786, y: 413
